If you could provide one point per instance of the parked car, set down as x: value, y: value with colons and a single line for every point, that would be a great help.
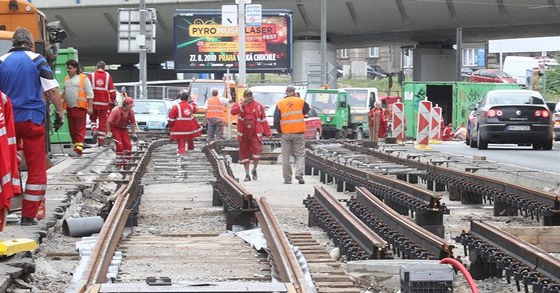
x: 491, y: 75
x: 313, y: 124
x: 466, y: 73
x: 557, y: 126
x: 511, y: 116
x: 376, y: 72
x: 151, y: 115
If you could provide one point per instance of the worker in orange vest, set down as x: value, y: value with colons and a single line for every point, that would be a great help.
x: 215, y: 107
x: 289, y: 121
x: 78, y: 98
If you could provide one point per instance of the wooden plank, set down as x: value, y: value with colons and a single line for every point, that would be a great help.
x: 332, y: 284
x: 338, y: 290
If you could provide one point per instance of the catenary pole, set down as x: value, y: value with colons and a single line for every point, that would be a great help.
x: 142, y: 51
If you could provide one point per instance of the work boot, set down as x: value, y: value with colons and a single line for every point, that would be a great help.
x: 247, y: 177
x: 300, y: 180
x: 28, y: 221
x: 254, y: 173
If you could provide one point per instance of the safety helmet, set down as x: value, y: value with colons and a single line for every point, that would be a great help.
x: 129, y: 101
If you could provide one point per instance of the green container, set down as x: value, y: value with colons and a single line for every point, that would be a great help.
x: 454, y: 98
x: 60, y: 72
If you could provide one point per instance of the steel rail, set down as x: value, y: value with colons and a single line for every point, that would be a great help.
x: 531, y: 202
x: 110, y: 234
x: 284, y: 258
x: 501, y: 251
x: 397, y: 229
x: 424, y: 206
x: 352, y: 236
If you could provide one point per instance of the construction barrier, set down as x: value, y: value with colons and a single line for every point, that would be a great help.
x: 398, y: 121
x: 423, y: 134
x: 435, y: 125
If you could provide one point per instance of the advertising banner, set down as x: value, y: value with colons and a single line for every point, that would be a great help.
x: 203, y: 44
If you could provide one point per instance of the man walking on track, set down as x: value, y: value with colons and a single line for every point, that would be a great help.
x: 24, y: 76
x: 184, y: 127
x: 215, y: 107
x: 289, y: 121
x: 117, y: 128
x: 78, y: 96
x: 104, y: 95
x: 251, y: 125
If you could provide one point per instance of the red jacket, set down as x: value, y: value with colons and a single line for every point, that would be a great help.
x: 104, y: 92
x: 9, y: 175
x: 182, y: 122
x: 254, y: 115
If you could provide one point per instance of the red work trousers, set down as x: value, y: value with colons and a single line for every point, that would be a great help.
x: 77, y: 126
x: 249, y: 146
x: 102, y: 126
x: 123, y: 145
x: 182, y: 142
x: 34, y: 151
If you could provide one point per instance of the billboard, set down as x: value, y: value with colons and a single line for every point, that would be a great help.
x: 203, y: 44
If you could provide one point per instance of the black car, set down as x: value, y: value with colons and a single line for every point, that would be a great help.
x: 511, y: 116
x: 376, y: 72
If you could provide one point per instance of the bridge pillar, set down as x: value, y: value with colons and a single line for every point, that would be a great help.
x: 434, y: 62
x: 307, y: 62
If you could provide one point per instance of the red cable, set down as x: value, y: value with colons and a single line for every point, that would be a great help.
x: 456, y: 264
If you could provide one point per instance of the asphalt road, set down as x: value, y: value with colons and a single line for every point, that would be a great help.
x: 547, y: 161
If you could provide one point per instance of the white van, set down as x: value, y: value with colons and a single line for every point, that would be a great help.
x: 270, y: 95
x: 521, y: 68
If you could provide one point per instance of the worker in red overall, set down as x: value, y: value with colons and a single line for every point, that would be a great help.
x: 251, y: 125
x: 104, y: 95
x: 10, y: 184
x: 183, y: 124
x: 119, y: 120
x: 377, y: 122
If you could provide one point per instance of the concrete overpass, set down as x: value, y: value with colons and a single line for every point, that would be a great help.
x: 421, y: 24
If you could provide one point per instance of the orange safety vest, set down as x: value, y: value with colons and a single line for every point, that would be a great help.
x: 291, y: 115
x: 82, y: 95
x: 215, y: 108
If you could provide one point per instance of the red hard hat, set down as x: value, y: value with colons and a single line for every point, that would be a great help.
x: 129, y: 101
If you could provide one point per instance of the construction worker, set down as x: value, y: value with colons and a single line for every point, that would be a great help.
x: 119, y: 120
x: 10, y: 184
x: 215, y: 107
x: 251, y: 126
x: 104, y: 95
x: 289, y: 121
x: 183, y: 124
x: 24, y: 76
x: 377, y: 122
x: 78, y: 96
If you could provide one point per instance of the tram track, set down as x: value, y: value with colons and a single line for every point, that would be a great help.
x: 493, y: 251
x: 403, y: 219
x: 151, y: 241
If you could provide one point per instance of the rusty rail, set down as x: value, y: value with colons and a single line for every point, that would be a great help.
x: 285, y: 261
x: 508, y: 199
x: 407, y: 238
x: 494, y: 251
x: 352, y: 236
